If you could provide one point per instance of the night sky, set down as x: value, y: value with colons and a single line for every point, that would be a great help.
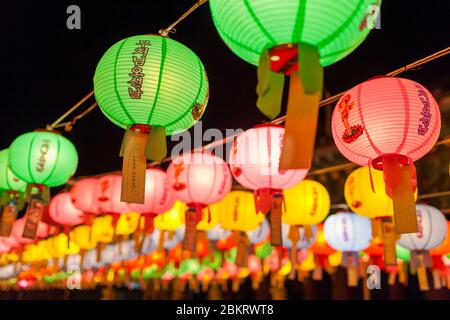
x: 46, y: 68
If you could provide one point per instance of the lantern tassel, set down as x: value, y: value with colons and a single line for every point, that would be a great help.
x: 243, y: 244
x: 389, y: 240
x: 9, y: 215
x: 275, y: 219
x: 294, y: 236
x: 156, y: 146
x: 398, y: 179
x: 192, y: 217
x: 305, y: 92
x: 34, y: 214
x: 269, y: 88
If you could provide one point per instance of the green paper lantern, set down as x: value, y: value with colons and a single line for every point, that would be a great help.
x: 335, y: 27
x: 135, y: 274
x: 191, y: 266
x: 43, y: 158
x: 8, y: 180
x: 213, y: 262
x: 149, y: 272
x: 403, y: 253
x: 264, y: 250
x: 151, y: 80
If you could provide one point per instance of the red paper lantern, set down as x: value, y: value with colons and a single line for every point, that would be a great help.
x: 159, y: 197
x: 43, y: 230
x: 198, y: 179
x: 108, y: 197
x: 84, y: 195
x: 254, y: 162
x: 321, y: 249
x: 388, y: 123
x: 63, y: 212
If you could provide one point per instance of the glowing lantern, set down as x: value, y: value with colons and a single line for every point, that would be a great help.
x: 307, y: 203
x: 254, y: 163
x: 297, y: 39
x: 84, y: 195
x: 442, y: 250
x: 432, y: 230
x: 151, y: 86
x: 388, y: 123
x: 218, y: 233
x: 322, y: 251
x: 296, y: 238
x: 102, y: 230
x: 198, y: 179
x: 108, y: 197
x: 11, y: 199
x: 349, y: 233
x: 43, y: 159
x: 42, y: 231
x: 63, y: 212
x: 127, y: 223
x: 158, y: 197
x: 82, y: 236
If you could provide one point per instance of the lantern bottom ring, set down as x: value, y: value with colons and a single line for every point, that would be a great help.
x: 377, y: 163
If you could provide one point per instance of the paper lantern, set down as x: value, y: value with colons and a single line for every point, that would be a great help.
x: 152, y: 86
x: 254, y: 163
x: 303, y: 241
x: 108, y: 197
x: 348, y: 232
x: 362, y: 199
x: 102, y: 230
x: 84, y: 194
x: 159, y: 197
x: 307, y: 203
x: 298, y: 39
x: 198, y: 179
x: 172, y: 219
x: 237, y: 212
x: 388, y: 123
x: 82, y: 236
x: 444, y: 248
x: 432, y: 230
x: 322, y: 252
x: 218, y: 233
x: 127, y: 223
x: 63, y: 212
x: 42, y: 231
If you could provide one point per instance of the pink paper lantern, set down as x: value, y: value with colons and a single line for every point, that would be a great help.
x: 198, y: 179
x: 159, y: 196
x: 254, y: 162
x: 84, y: 194
x: 10, y: 242
x: 62, y: 211
x: 43, y: 230
x: 108, y: 197
x: 388, y: 123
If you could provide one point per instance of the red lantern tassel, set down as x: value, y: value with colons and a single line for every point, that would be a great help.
x: 398, y: 176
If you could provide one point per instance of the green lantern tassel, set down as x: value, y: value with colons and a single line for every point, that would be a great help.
x: 156, y: 146
x: 269, y: 88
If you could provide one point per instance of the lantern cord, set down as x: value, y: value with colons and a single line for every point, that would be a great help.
x: 434, y: 195
x: 68, y: 126
x: 165, y: 32
x: 68, y: 112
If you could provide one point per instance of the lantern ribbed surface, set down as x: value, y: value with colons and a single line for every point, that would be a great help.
x: 303, y: 242
x: 108, y: 199
x: 158, y: 194
x: 444, y: 247
x: 432, y: 229
x: 44, y: 158
x: 255, y: 156
x: 308, y: 202
x: 362, y: 199
x: 8, y: 180
x: 151, y: 80
x: 63, y: 212
x: 386, y: 115
x: 348, y: 232
x: 248, y: 27
x: 84, y: 194
x: 199, y: 177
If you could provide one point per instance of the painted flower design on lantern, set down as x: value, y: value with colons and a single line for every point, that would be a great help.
x: 237, y: 171
x: 104, y: 186
x: 197, y: 111
x: 179, y: 168
x: 351, y: 133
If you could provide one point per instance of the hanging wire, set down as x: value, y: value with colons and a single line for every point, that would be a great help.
x: 171, y: 29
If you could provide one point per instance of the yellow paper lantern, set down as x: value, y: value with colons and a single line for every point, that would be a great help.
x: 307, y: 264
x: 237, y: 212
x: 83, y: 238
x: 102, y: 230
x: 172, y: 219
x: 362, y: 199
x: 335, y: 259
x: 210, y: 218
x: 127, y: 223
x: 62, y: 246
x: 307, y: 203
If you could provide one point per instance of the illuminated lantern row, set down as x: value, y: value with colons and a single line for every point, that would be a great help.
x: 43, y: 159
x: 12, y: 198
x: 364, y: 194
x: 294, y: 38
x: 152, y: 86
x: 349, y: 233
x: 198, y: 179
x: 388, y: 123
x: 63, y: 212
x: 84, y: 195
x: 254, y: 162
